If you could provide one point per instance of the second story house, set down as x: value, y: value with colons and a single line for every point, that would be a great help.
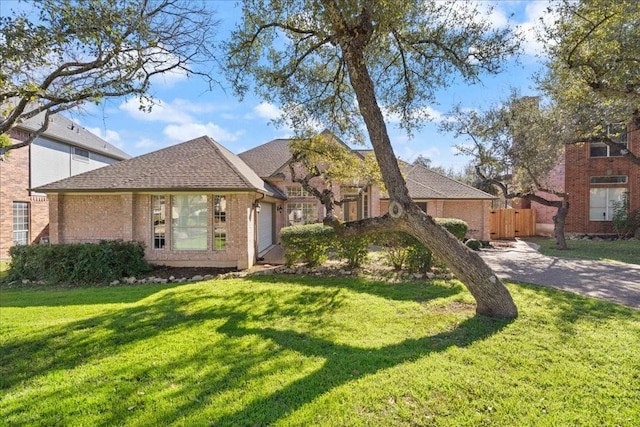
x: 597, y: 178
x: 64, y: 150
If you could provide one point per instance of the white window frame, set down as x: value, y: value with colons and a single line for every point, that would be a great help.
x: 619, y: 135
x: 297, y: 191
x: 602, y: 202
x: 189, y: 222
x: 158, y: 222
x: 21, y: 221
x: 299, y: 213
x: 220, y: 223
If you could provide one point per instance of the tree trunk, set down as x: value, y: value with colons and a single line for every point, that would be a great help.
x: 492, y: 297
x: 558, y: 225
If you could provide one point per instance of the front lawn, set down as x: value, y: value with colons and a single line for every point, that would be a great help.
x: 273, y: 350
x: 603, y: 250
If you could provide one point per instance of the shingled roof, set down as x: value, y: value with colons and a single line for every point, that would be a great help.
x: 423, y: 183
x: 64, y: 130
x: 268, y: 158
x: 199, y: 164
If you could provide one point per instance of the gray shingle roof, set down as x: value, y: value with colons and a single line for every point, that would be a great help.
x: 62, y: 129
x: 268, y: 158
x: 423, y: 183
x: 199, y: 164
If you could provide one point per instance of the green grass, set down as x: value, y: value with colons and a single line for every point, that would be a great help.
x: 274, y: 350
x: 617, y: 250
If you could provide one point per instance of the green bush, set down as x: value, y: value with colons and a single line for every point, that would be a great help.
x: 395, y: 246
x: 473, y: 244
x: 354, y: 249
x: 77, y: 263
x: 455, y: 226
x: 309, y: 243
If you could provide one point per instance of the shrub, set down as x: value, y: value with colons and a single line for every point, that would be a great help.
x: 474, y: 244
x: 354, y: 249
x: 395, y: 248
x: 624, y: 220
x: 455, y: 226
x: 419, y: 257
x: 78, y: 263
x: 309, y: 243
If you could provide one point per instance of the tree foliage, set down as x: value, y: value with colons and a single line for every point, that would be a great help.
x: 515, y: 145
x: 341, y: 63
x: 59, y: 54
x: 593, y: 74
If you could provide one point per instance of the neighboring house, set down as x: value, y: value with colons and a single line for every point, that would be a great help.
x: 65, y: 149
x: 197, y: 204
x: 596, y: 177
x: 443, y: 197
x: 191, y: 204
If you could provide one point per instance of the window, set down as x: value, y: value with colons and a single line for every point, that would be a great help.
x: 615, y: 132
x: 189, y: 222
x: 80, y: 154
x: 298, y: 192
x: 219, y: 223
x: 613, y: 179
x: 422, y: 206
x: 602, y: 202
x: 20, y: 223
x: 158, y: 219
x: 302, y: 213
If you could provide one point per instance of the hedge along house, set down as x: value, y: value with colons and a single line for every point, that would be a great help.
x: 443, y: 197
x: 192, y: 204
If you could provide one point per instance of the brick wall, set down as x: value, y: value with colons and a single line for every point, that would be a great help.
x: 474, y: 212
x: 91, y: 218
x: 14, y: 182
x: 580, y: 167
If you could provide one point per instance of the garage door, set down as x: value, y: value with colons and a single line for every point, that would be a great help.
x: 265, y: 226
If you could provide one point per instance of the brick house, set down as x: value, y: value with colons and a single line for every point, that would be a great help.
x: 436, y: 194
x: 191, y: 204
x: 65, y: 149
x: 596, y: 177
x: 198, y: 204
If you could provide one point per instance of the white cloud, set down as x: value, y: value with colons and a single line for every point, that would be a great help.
x: 145, y: 143
x: 536, y: 15
x: 267, y: 110
x: 186, y: 131
x: 427, y: 113
x: 176, y: 111
x: 111, y: 136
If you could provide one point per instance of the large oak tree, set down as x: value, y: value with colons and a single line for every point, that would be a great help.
x: 60, y: 54
x: 342, y: 62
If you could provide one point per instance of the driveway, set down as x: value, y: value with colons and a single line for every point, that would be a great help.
x: 617, y: 282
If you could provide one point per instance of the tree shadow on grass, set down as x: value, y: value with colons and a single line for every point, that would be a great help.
x: 59, y: 296
x: 418, y: 291
x: 343, y: 363
x: 65, y: 347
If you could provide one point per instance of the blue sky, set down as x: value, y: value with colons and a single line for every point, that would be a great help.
x: 186, y: 109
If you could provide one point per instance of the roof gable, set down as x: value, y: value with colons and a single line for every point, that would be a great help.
x: 198, y: 164
x: 64, y: 130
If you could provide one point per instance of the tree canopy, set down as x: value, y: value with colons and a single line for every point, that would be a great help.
x: 593, y: 73
x: 58, y: 54
x: 515, y: 146
x: 345, y: 63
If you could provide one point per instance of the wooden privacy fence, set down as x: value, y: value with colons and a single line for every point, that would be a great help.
x: 511, y: 223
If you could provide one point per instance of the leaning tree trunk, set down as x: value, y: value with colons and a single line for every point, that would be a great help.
x: 492, y: 297
x: 558, y: 224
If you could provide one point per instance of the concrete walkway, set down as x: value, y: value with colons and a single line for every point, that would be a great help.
x: 617, y: 282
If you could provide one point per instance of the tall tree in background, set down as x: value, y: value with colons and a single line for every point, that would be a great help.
x: 341, y: 62
x: 62, y: 53
x: 593, y: 74
x: 515, y: 147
